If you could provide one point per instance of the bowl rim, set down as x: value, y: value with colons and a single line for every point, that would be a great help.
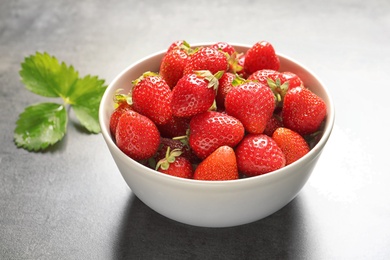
x: 311, y: 155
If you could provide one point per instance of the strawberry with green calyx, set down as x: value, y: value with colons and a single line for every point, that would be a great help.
x: 137, y: 136
x: 211, y: 129
x: 194, y: 93
x: 303, y: 111
x: 175, y: 165
x: 259, y: 154
x: 207, y: 58
x: 179, y: 143
x: 151, y: 97
x: 173, y: 63
x: 260, y: 56
x: 219, y: 166
x: 293, y: 145
x: 252, y: 103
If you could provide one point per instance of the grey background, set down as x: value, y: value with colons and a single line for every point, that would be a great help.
x: 70, y: 202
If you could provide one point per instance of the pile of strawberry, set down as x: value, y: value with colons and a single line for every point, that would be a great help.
x: 211, y: 113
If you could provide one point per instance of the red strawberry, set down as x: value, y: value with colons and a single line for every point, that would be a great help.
x: 218, y: 166
x: 211, y: 129
x: 175, y: 165
x: 207, y: 58
x: 194, y: 93
x: 252, y: 103
x: 303, y: 111
x: 177, y: 126
x: 293, y: 145
x: 118, y: 112
x: 151, y: 97
x: 259, y: 154
x: 173, y: 63
x: 224, y: 46
x: 261, y: 56
x: 226, y: 83
x: 137, y: 136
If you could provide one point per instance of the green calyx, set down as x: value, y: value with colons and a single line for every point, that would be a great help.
x: 212, y: 79
x: 121, y: 98
x: 233, y: 62
x: 170, y: 157
x: 278, y: 89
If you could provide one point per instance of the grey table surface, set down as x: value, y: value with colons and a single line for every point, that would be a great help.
x: 71, y: 202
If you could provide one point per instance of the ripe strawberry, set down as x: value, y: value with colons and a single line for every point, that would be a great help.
x: 218, y: 166
x: 303, y: 111
x: 173, y: 63
x: 137, y: 136
x: 224, y: 46
x: 151, y: 97
x: 293, y: 145
x: 194, y: 93
x: 118, y: 112
x: 207, y: 58
x: 177, y: 126
x: 211, y: 129
x: 252, y: 103
x: 259, y: 154
x: 261, y: 56
x: 175, y: 165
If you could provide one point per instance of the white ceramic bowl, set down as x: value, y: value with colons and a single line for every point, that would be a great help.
x: 214, y: 203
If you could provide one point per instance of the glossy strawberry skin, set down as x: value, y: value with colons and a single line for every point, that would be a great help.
x: 152, y: 97
x: 191, y: 96
x: 172, y: 66
x: 181, y: 167
x: 258, y: 154
x: 261, y: 56
x: 137, y: 136
x: 207, y: 58
x: 303, y: 111
x: 292, y: 144
x: 210, y: 130
x: 114, y: 118
x: 252, y: 103
x: 221, y: 165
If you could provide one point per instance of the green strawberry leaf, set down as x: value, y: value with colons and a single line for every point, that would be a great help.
x: 85, y: 101
x: 42, y: 74
x: 40, y: 125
